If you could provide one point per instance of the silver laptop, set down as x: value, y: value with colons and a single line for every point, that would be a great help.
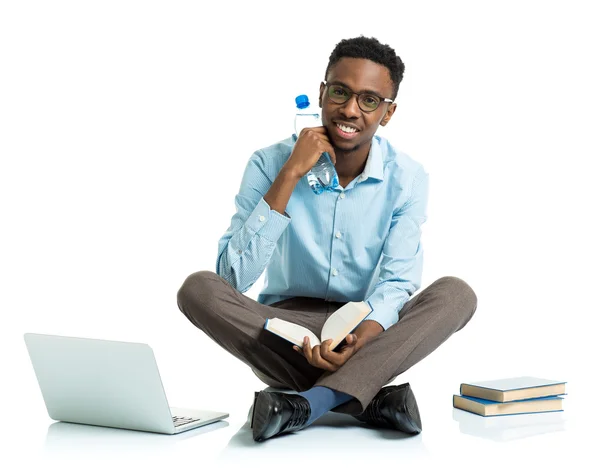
x: 107, y: 383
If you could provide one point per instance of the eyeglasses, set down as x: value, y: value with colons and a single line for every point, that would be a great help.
x: 367, y: 102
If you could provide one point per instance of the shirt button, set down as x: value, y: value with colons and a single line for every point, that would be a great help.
x: 342, y: 195
x: 338, y: 235
x: 261, y: 218
x: 334, y: 272
x: 239, y: 251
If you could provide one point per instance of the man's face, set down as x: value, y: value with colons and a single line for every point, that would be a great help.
x: 358, y: 75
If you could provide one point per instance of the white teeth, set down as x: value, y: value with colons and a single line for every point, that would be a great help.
x: 346, y: 129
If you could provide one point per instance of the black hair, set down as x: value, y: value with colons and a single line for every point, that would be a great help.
x: 369, y: 48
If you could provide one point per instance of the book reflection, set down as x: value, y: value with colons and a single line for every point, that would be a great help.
x: 509, y: 427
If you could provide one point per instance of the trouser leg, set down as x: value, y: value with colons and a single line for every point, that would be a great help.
x: 426, y: 321
x: 236, y: 322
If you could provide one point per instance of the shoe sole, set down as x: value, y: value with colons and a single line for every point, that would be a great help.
x: 261, y: 415
x: 252, y: 409
x: 411, y: 410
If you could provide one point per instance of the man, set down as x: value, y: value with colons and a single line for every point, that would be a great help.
x: 359, y: 242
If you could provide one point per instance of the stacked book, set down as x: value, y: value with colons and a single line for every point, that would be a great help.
x: 523, y: 395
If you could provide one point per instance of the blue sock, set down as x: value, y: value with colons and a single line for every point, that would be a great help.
x: 322, y: 400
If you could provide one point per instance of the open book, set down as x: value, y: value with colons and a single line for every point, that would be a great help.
x: 337, y: 327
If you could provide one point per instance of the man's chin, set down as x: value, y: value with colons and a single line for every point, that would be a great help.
x: 346, y: 147
x: 342, y: 145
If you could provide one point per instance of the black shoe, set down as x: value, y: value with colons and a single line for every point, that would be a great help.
x: 275, y: 413
x: 394, y: 407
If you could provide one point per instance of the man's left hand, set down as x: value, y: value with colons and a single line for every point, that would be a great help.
x: 320, y: 356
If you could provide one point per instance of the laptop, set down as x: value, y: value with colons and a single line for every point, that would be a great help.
x: 107, y: 383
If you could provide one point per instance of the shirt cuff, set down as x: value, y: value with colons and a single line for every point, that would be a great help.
x: 383, y: 318
x: 270, y: 224
x: 385, y: 311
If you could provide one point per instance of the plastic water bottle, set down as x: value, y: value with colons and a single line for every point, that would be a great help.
x: 322, y: 176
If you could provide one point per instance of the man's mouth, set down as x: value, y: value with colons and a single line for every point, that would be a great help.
x: 345, y: 131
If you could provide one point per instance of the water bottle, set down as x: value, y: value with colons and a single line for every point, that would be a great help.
x: 322, y: 175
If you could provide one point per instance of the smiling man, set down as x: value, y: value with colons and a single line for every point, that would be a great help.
x: 359, y: 242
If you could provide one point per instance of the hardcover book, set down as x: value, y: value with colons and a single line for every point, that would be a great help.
x: 341, y: 323
x: 489, y: 408
x: 513, y: 389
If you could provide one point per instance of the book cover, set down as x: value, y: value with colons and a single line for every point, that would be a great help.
x: 513, y: 389
x: 488, y: 408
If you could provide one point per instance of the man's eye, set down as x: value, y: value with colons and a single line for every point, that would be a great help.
x: 339, y: 92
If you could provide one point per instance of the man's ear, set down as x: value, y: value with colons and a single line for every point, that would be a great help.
x: 321, y: 89
x: 388, y: 114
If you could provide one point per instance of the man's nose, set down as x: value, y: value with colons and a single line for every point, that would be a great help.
x: 350, y: 108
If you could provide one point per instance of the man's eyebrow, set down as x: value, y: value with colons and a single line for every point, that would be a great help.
x: 337, y: 82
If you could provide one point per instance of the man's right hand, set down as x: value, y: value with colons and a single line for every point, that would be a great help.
x: 311, y: 143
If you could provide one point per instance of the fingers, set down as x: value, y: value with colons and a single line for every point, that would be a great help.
x: 313, y: 356
x: 326, y: 143
x: 320, y: 356
x: 307, y: 350
x: 328, y: 356
x: 338, y: 358
x: 321, y: 133
x: 320, y: 362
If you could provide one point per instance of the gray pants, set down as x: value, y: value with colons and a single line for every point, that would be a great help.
x: 235, y: 322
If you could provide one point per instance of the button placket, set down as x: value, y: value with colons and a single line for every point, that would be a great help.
x: 338, y: 235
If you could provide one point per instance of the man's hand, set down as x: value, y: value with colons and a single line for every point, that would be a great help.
x: 311, y: 143
x: 320, y: 356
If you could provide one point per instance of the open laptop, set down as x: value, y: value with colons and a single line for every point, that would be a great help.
x: 107, y: 383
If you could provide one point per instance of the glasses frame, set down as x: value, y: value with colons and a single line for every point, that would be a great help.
x: 381, y: 98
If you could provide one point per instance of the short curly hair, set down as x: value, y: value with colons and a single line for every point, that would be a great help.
x: 369, y: 48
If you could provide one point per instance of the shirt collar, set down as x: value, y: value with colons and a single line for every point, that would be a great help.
x: 374, y: 165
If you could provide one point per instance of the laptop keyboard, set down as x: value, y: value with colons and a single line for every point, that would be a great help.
x: 179, y: 421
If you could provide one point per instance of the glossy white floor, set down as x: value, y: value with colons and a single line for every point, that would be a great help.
x: 449, y: 434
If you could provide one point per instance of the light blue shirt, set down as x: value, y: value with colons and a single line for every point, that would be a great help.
x: 361, y: 242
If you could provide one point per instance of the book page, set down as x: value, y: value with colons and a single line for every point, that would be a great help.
x: 291, y: 332
x: 344, y: 321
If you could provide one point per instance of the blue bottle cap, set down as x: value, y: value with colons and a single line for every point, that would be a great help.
x: 302, y: 101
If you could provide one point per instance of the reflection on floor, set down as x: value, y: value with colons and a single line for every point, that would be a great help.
x: 509, y: 427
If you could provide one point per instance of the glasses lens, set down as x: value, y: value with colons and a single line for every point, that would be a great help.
x: 368, y: 102
x: 338, y: 94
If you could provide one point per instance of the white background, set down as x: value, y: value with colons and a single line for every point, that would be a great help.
x: 125, y: 128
